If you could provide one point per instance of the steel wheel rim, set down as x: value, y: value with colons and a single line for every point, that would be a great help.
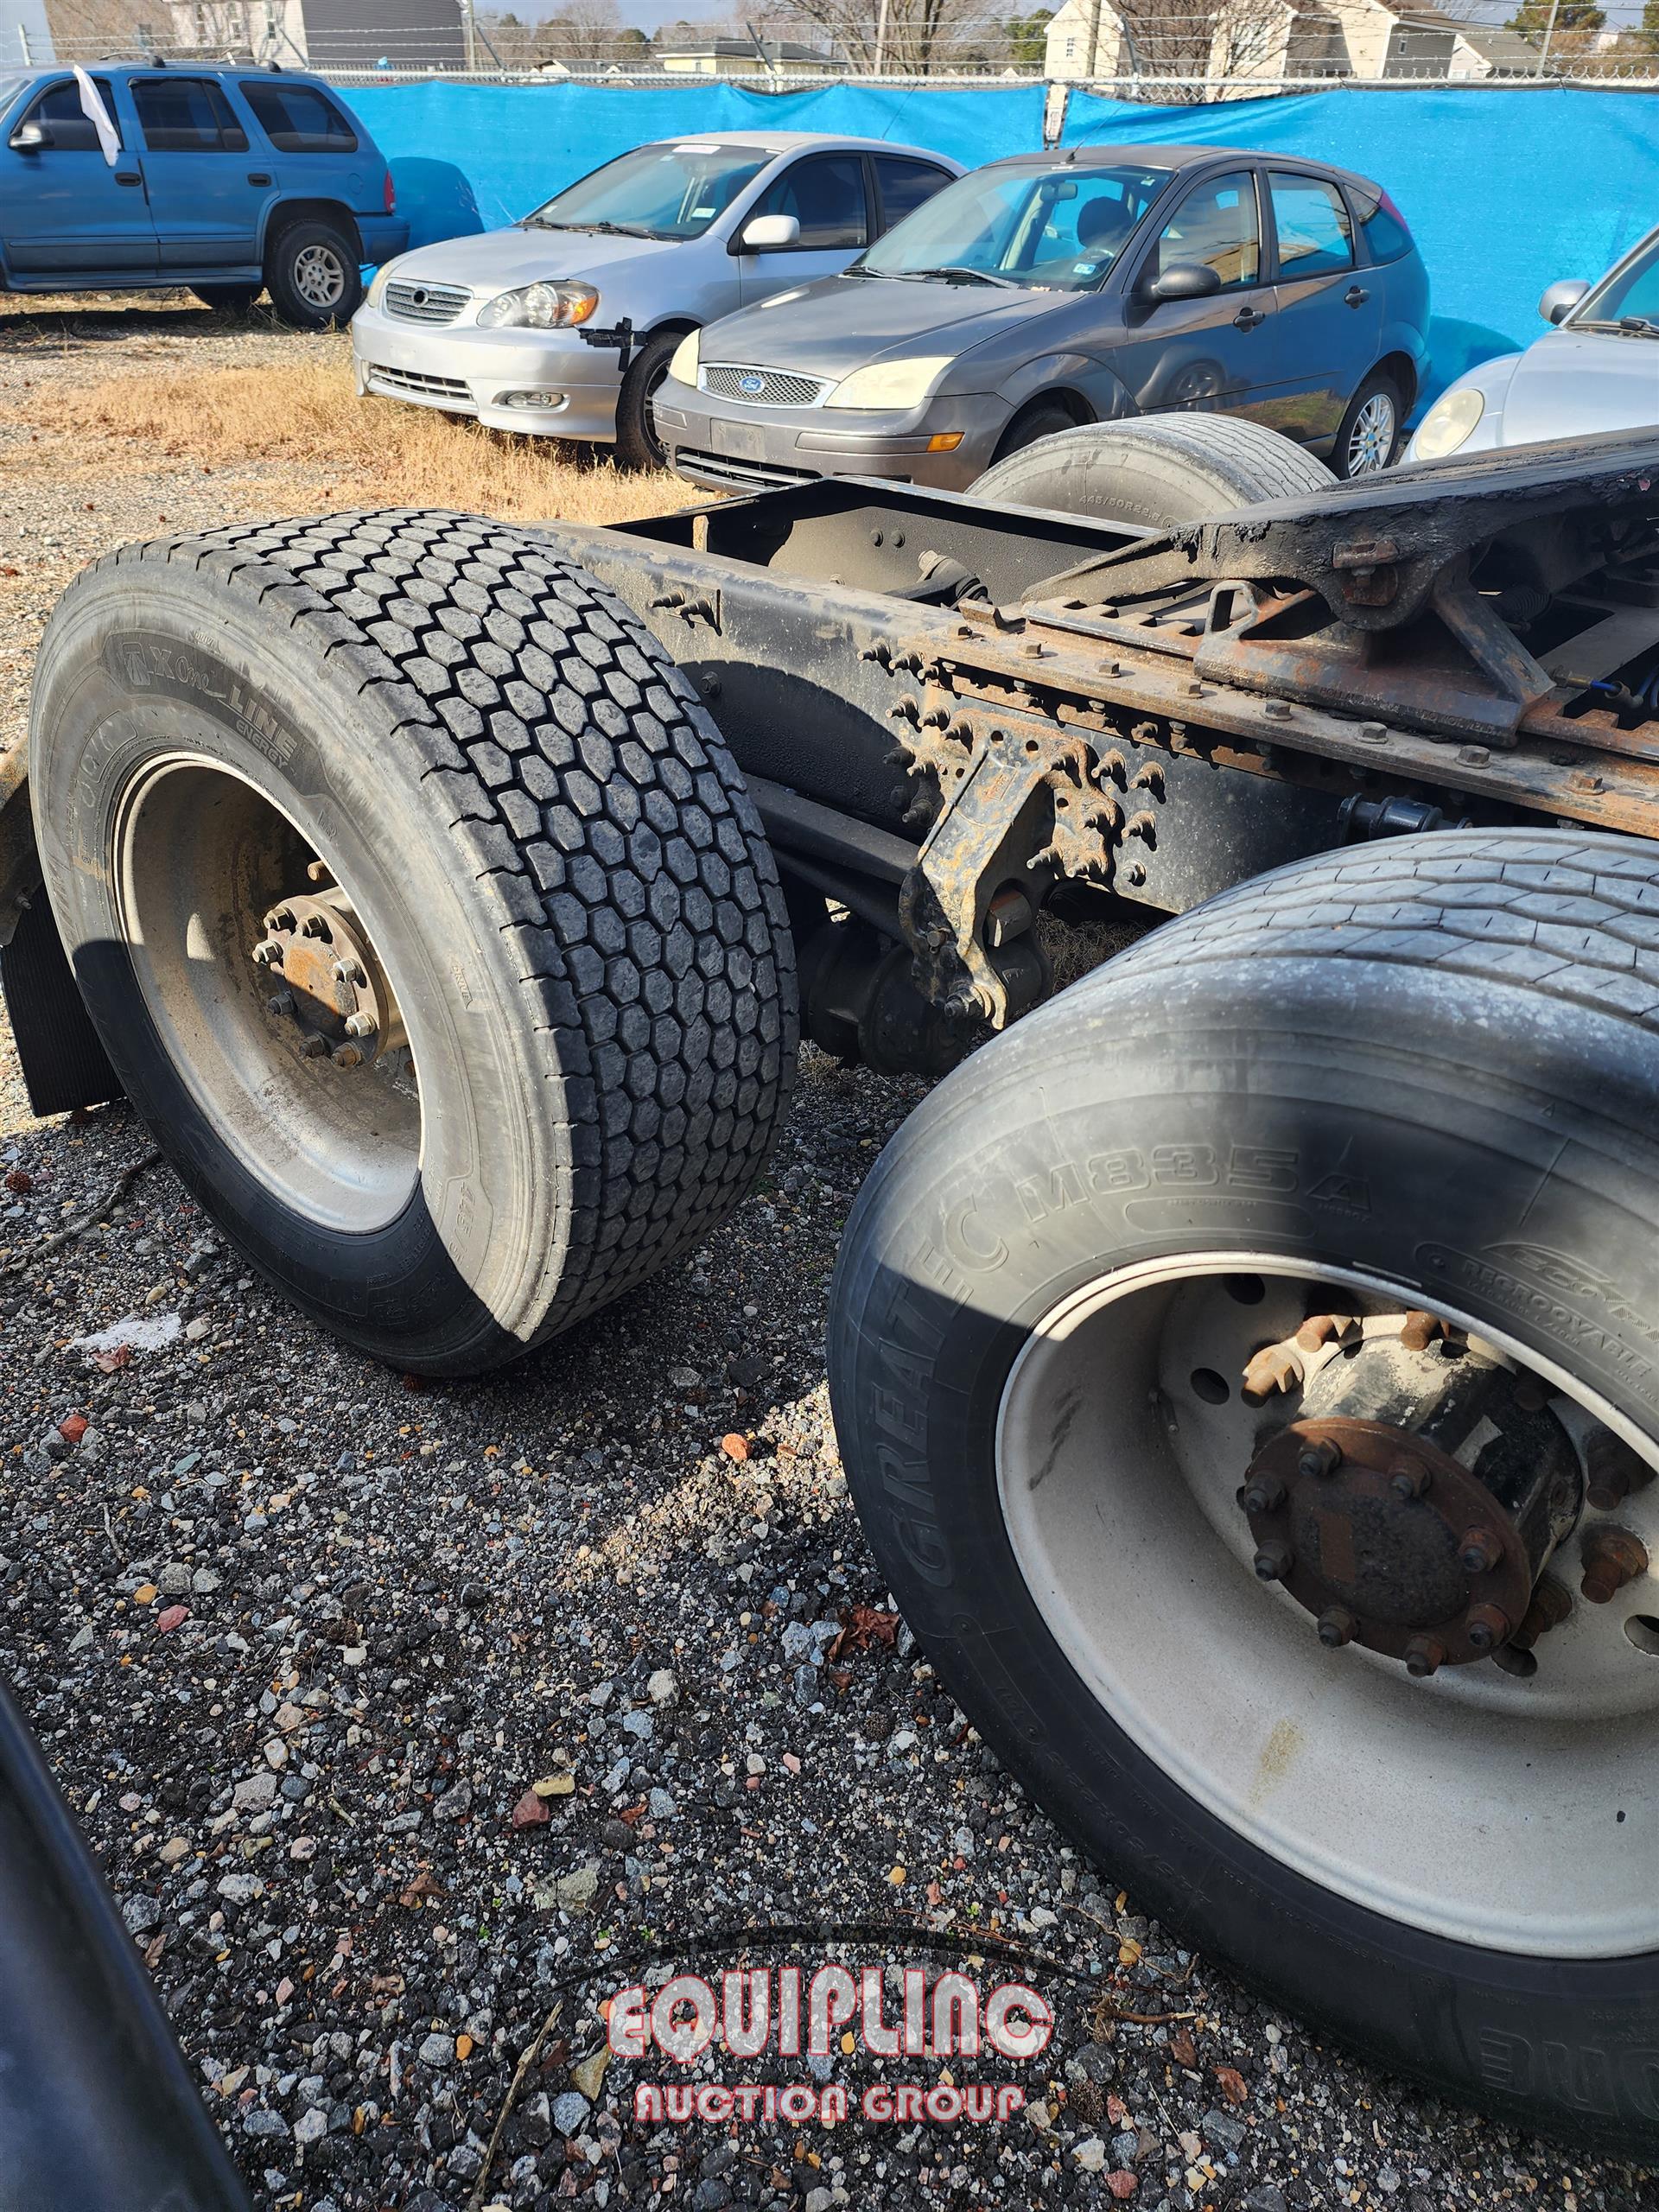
x: 319, y: 276
x: 198, y: 856
x: 1473, y: 1806
x: 1371, y: 440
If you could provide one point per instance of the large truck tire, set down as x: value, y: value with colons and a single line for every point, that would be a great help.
x: 1142, y: 1342
x: 422, y: 912
x: 1158, y: 471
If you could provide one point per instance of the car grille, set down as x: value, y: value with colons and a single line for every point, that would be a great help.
x: 412, y: 302
x: 746, y: 475
x: 778, y: 387
x: 418, y: 385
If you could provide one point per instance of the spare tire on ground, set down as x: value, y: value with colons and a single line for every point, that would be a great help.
x: 1157, y: 471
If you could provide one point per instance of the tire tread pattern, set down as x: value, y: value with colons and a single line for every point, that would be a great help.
x: 611, y: 840
x: 1572, y: 915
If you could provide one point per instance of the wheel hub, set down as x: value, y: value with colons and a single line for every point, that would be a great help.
x: 331, y: 990
x: 1411, y: 1506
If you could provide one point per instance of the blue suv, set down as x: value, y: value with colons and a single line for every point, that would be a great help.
x: 226, y: 181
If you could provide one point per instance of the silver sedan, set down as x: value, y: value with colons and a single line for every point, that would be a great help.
x: 564, y: 323
x: 1597, y: 368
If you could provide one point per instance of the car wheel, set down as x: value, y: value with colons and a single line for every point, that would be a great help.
x: 227, y: 299
x: 1370, y: 436
x: 1157, y: 471
x: 313, y: 274
x: 423, y: 913
x: 1144, y: 1330
x: 1045, y: 418
x: 638, y: 445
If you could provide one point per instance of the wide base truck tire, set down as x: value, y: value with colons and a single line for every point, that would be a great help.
x: 1181, y: 1345
x: 422, y: 912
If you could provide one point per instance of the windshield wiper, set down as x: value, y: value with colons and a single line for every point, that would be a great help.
x: 958, y: 273
x: 607, y: 230
x: 1627, y: 326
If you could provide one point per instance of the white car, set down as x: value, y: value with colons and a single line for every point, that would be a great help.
x: 1597, y: 369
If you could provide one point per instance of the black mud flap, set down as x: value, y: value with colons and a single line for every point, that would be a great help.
x: 96, y: 2111
x: 64, y: 1065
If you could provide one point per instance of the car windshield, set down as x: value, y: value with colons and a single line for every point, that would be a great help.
x: 655, y: 191
x: 1628, y: 301
x: 1058, y: 229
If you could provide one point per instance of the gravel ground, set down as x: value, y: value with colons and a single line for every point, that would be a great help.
x: 300, y: 1635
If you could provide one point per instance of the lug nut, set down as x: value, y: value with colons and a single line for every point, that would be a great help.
x: 1408, y: 1477
x: 312, y: 1048
x: 1262, y: 1494
x: 1552, y: 1601
x: 1486, y: 1627
x: 1480, y: 1551
x: 360, y: 1025
x: 1338, y: 1626
x: 346, y: 1056
x: 1319, y: 1459
x: 281, y: 1003
x: 1611, y: 1557
x: 1424, y: 1655
x: 1274, y: 1560
x: 268, y: 954
x: 1612, y: 1471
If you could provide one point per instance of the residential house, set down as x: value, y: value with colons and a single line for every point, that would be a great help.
x: 325, y: 34
x: 741, y: 57
x: 1270, y: 40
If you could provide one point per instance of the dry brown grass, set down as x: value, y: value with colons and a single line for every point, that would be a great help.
x: 306, y: 417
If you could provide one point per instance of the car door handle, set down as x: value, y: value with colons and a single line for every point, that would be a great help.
x: 257, y: 176
x: 1356, y: 297
x: 1247, y: 317
x: 121, y: 179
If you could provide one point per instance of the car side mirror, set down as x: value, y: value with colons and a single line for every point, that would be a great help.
x: 27, y: 138
x: 1560, y: 300
x: 770, y: 234
x: 1185, y: 280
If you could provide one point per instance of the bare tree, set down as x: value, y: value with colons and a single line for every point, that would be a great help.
x: 922, y: 37
x: 582, y: 36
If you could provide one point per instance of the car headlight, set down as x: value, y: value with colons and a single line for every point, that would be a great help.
x: 377, y: 290
x: 539, y: 307
x: 683, y: 362
x: 1448, y: 424
x: 891, y: 384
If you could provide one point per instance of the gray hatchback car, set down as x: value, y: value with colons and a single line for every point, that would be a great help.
x: 563, y: 324
x: 1065, y: 288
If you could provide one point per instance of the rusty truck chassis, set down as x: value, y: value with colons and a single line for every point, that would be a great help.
x: 952, y: 717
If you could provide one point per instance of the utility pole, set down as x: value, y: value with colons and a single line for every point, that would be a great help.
x: 1549, y: 33
x: 469, y: 32
x: 881, y: 39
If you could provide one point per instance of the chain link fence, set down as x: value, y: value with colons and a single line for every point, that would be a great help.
x: 1143, y: 51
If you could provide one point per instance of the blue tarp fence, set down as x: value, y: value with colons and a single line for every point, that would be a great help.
x: 1506, y: 190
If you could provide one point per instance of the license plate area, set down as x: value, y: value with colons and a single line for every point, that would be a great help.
x: 739, y: 441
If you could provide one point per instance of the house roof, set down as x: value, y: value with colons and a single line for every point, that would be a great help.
x: 743, y: 49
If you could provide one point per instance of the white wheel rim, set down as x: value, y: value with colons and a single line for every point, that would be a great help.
x: 319, y: 277
x: 1371, y: 440
x: 1518, y: 1815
